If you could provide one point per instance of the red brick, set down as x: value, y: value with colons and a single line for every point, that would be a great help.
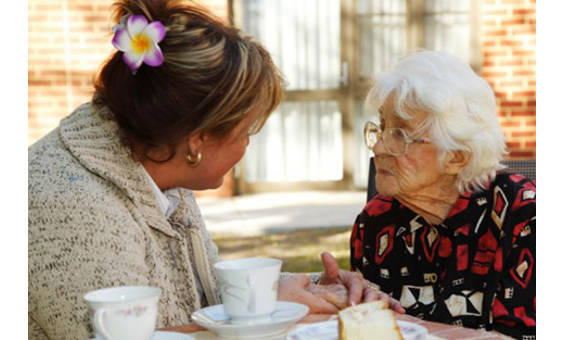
x: 47, y: 7
x: 532, y: 103
x: 94, y: 18
x: 495, y: 12
x: 523, y: 30
x: 38, y: 82
x: 517, y: 21
x: 511, y: 43
x: 523, y: 11
x: 521, y: 154
x: 531, y: 123
x: 524, y: 73
x: 488, y: 54
x: 494, y: 74
x: 523, y: 134
x: 489, y: 43
x: 510, y: 123
x: 80, y: 7
x: 532, y: 144
x: 523, y: 52
x: 513, y: 145
x: 53, y: 73
x: 511, y: 83
x: 527, y: 113
x: 524, y: 93
x: 509, y: 103
x: 514, y: 62
x: 495, y: 33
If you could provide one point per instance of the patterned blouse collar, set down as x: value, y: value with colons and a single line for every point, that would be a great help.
x: 410, y: 221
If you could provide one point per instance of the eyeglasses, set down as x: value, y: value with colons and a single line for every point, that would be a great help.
x: 395, y: 140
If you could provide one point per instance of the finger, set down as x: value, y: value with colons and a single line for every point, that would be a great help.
x: 369, y: 295
x: 383, y: 297
x: 301, y: 279
x: 395, y: 305
x: 331, y: 273
x: 294, y: 289
x: 291, y: 286
x: 317, y: 305
x: 355, y: 284
x: 323, y: 307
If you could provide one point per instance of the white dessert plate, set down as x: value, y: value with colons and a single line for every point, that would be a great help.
x: 285, y: 315
x: 160, y: 335
x: 329, y: 330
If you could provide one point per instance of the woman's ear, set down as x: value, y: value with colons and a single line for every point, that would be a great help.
x: 455, y: 161
x: 196, y: 142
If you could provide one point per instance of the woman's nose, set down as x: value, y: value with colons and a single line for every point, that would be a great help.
x: 378, y: 148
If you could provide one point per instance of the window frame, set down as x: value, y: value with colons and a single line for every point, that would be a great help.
x: 351, y: 88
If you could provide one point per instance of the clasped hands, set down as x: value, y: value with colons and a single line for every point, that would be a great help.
x: 336, y: 290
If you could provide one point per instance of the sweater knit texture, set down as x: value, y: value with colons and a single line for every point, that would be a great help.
x: 94, y: 222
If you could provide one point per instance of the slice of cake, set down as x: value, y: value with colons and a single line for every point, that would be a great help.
x: 368, y: 321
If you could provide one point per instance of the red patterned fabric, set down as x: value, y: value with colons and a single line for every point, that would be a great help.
x: 476, y: 269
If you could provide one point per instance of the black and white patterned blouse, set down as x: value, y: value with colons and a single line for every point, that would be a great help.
x: 476, y: 269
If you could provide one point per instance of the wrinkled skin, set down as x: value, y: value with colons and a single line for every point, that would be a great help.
x: 336, y: 290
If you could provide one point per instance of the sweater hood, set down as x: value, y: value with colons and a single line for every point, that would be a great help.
x: 92, y: 137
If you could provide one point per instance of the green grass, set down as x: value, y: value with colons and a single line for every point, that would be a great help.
x: 299, y: 250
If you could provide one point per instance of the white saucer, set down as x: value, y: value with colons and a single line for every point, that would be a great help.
x: 160, y: 335
x: 329, y: 330
x: 215, y: 319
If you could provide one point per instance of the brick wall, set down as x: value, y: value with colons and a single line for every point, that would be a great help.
x: 68, y: 41
x: 509, y: 64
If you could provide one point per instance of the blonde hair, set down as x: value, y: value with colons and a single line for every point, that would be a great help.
x: 460, y: 106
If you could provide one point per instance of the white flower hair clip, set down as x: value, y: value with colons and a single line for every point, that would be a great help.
x: 138, y: 40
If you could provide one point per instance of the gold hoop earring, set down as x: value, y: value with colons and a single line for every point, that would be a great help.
x: 193, y: 161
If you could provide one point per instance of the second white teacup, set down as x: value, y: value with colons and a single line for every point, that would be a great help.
x: 249, y: 288
x: 124, y: 313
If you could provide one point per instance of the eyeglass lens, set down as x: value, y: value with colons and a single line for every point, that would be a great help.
x: 394, y: 139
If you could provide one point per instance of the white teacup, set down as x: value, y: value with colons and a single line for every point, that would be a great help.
x: 249, y: 288
x: 124, y: 313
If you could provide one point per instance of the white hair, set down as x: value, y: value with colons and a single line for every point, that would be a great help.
x: 460, y: 106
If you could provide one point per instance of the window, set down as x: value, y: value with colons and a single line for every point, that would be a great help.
x: 328, y: 51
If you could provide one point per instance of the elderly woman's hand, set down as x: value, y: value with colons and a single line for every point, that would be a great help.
x: 296, y: 288
x: 360, y: 290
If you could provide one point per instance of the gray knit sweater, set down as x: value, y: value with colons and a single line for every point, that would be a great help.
x: 94, y: 222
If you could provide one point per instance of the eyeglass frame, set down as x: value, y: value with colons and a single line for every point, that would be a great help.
x: 370, y: 127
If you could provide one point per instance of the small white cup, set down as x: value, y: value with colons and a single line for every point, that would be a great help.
x: 249, y: 288
x: 124, y: 313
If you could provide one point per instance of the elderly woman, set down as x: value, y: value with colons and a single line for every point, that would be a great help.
x: 449, y: 235
x: 110, y: 200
